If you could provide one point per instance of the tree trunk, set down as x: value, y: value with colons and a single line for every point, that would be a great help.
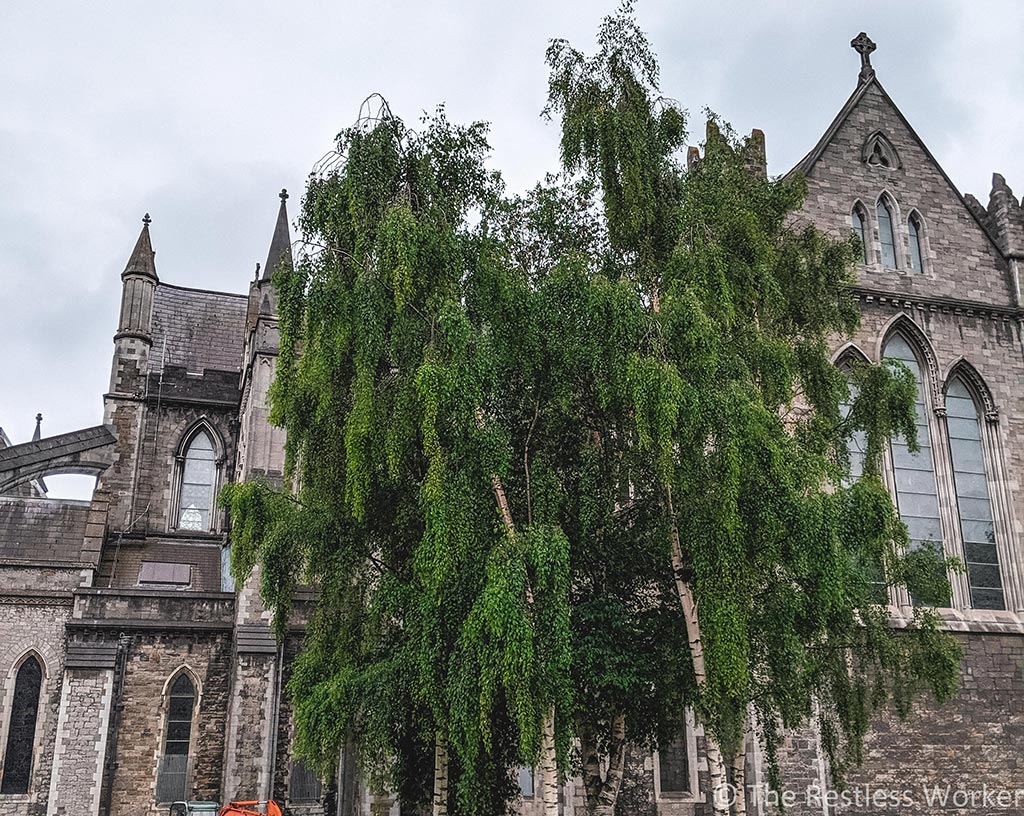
x: 548, y: 766
x: 720, y: 794
x: 603, y: 792
x: 739, y: 779
x: 440, y: 776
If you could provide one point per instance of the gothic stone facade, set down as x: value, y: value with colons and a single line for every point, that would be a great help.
x: 132, y: 672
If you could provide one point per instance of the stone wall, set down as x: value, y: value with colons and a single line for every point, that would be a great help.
x: 153, y: 658
x: 81, y: 744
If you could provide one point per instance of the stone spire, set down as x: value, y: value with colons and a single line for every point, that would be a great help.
x: 281, y: 244
x: 143, y: 258
x: 864, y: 45
x: 38, y: 432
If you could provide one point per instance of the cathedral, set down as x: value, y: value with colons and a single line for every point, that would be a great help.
x: 134, y: 673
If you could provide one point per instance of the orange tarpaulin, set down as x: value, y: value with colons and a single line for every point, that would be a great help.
x: 253, y: 808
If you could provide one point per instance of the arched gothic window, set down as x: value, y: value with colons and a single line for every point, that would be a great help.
x: 198, y: 479
x: 916, y: 486
x: 974, y: 505
x: 859, y: 221
x: 916, y: 256
x: 21, y: 729
x: 172, y: 776
x: 886, y: 235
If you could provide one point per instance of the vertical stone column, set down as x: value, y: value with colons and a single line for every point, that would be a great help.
x: 82, y: 724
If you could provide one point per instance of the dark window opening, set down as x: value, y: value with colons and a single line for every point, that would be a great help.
x: 303, y: 783
x: 21, y: 732
x: 674, y: 764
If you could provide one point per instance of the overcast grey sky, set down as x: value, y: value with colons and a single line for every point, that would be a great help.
x: 200, y: 112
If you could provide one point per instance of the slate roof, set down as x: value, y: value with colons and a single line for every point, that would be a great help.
x: 201, y: 329
x: 42, y: 531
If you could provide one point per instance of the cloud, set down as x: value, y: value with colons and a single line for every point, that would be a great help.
x: 200, y: 112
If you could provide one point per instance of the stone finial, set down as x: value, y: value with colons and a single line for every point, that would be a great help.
x: 38, y: 432
x: 147, y: 220
x: 864, y: 45
x: 283, y: 195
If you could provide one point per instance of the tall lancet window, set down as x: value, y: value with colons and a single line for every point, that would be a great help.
x: 859, y: 222
x: 857, y: 444
x: 886, y: 236
x: 916, y: 257
x: 916, y: 491
x: 21, y: 728
x: 197, y: 482
x: 172, y: 776
x: 972, y: 498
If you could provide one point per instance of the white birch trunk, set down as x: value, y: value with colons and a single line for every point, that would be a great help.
x: 739, y: 779
x: 716, y: 765
x: 440, y: 807
x: 548, y: 766
x: 602, y: 794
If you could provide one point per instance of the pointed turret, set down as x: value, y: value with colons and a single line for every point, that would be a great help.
x: 281, y: 244
x: 143, y: 258
x: 134, y: 334
x: 38, y: 432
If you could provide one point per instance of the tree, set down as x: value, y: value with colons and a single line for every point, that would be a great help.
x: 563, y: 464
x: 775, y: 553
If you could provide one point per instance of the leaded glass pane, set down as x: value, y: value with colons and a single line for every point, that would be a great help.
x: 526, y: 785
x: 303, y: 784
x: 21, y: 728
x: 859, y: 229
x: 915, y: 245
x: 172, y: 775
x: 972, y: 497
x: 916, y: 489
x: 197, y: 482
x: 857, y: 444
x: 673, y: 765
x: 886, y: 236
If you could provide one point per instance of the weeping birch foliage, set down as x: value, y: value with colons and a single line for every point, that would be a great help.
x: 629, y: 331
x: 736, y: 404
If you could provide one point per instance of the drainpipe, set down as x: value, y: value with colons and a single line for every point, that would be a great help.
x: 120, y: 668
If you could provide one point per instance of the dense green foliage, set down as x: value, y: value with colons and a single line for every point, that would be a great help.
x: 631, y: 348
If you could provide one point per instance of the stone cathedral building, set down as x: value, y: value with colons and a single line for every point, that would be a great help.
x: 133, y: 673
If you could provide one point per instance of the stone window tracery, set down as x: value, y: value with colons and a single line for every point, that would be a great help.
x: 21, y: 728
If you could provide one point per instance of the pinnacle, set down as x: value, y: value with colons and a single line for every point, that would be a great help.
x: 281, y: 244
x: 142, y: 260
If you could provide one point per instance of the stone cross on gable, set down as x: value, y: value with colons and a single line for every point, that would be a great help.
x: 864, y: 45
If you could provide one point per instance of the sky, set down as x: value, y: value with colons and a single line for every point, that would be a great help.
x: 199, y: 113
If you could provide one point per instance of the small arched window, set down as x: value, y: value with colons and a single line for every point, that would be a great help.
x: 172, y: 776
x: 198, y: 478
x: 21, y: 729
x: 916, y: 487
x: 886, y: 236
x: 916, y: 256
x: 859, y: 221
x: 972, y: 497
